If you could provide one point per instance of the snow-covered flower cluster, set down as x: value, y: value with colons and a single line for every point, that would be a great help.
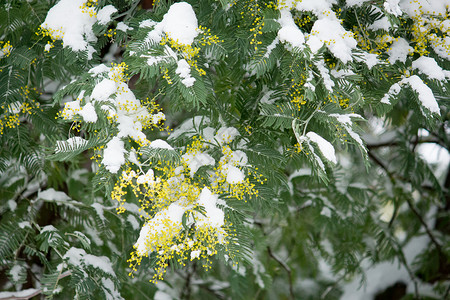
x: 182, y: 39
x: 186, y: 217
x: 10, y: 114
x: 71, y: 22
x: 5, y: 49
x: 112, y: 98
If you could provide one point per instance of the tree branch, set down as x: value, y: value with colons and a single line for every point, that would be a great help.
x: 285, y: 267
x: 424, y: 224
x: 429, y: 139
x: 33, y: 292
x: 410, y: 204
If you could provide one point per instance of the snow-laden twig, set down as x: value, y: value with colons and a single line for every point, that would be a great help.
x: 21, y: 295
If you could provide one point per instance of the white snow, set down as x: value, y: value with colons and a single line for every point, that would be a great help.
x: 74, y: 256
x: 24, y: 224
x: 399, y: 50
x: 132, y: 157
x: 208, y: 134
x: 129, y: 126
x: 392, y: 7
x: 258, y: 269
x: 111, y: 292
x: 321, y: 8
x: 48, y: 228
x: 435, y: 155
x: 77, y: 257
x: 393, y: 91
x: 93, y: 233
x: 123, y: 27
x: 73, y: 142
x: 133, y: 221
x: 113, y: 156
x: 160, y: 144
x: 233, y: 174
x: 346, y: 122
x: 271, y: 47
x: 424, y: 93
x: 382, y: 23
x: 67, y: 22
x: 156, y: 226
x: 326, y: 212
x: 356, y: 2
x: 7, y: 48
x: 24, y: 294
x: 325, y: 147
x: 158, y: 117
x: 14, y: 108
x: 427, y: 7
x: 12, y: 205
x: 266, y: 98
x: 147, y: 23
x: 88, y: 113
x: 184, y: 70
x: 179, y: 23
x: 71, y: 108
x: 195, y: 254
x: 429, y: 67
x: 125, y: 110
x: 226, y: 135
x: 189, y: 127
x: 104, y: 14
x: 99, y: 210
x: 238, y: 157
x: 330, y: 31
x: 197, y: 160
x: 100, y: 262
x: 370, y: 59
x: 441, y: 48
x: 98, y: 69
x: 325, y: 74
x: 52, y: 195
x: 341, y: 73
x: 104, y: 89
x: 15, y: 272
x: 148, y: 178
x: 214, y: 215
x: 386, y: 212
x: 160, y: 295
x: 289, y: 31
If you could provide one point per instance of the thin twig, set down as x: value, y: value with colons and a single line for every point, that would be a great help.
x: 35, y: 293
x: 396, y: 143
x: 410, y: 204
x: 410, y: 272
x: 285, y: 267
x: 425, y: 225
x: 283, y: 264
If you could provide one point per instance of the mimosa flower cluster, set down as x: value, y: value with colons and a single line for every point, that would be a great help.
x: 185, y: 205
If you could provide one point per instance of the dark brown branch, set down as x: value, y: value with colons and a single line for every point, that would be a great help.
x: 282, y: 263
x: 429, y: 233
x: 410, y: 204
x: 415, y: 142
